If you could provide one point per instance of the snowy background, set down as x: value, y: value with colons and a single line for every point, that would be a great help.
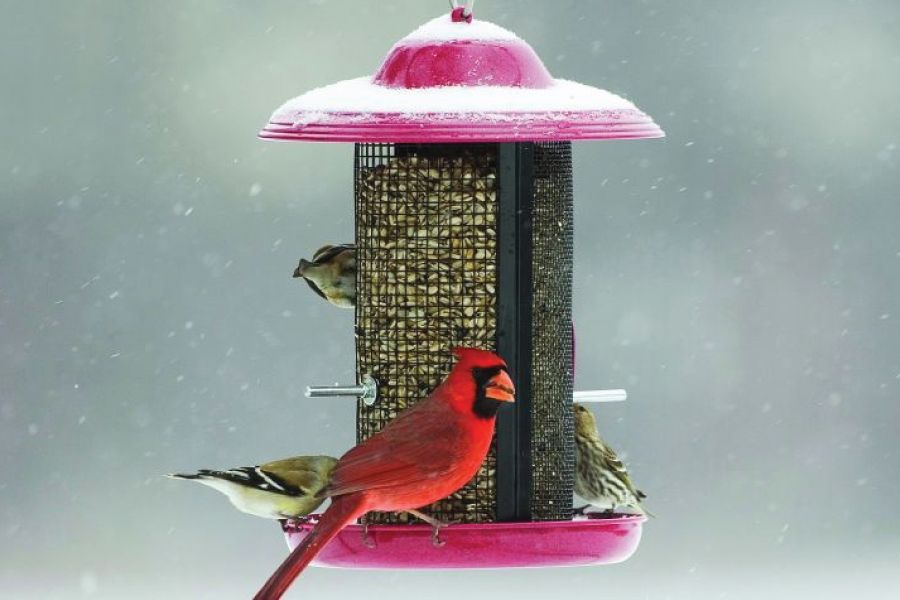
x: 741, y: 278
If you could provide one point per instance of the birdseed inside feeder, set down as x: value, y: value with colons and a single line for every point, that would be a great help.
x: 464, y: 226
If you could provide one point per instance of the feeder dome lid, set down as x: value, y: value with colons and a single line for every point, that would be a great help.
x: 456, y: 79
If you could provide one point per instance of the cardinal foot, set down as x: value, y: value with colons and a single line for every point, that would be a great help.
x: 436, y: 525
x: 436, y: 540
x: 367, y: 540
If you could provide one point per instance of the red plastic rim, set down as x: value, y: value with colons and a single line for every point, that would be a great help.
x: 444, y: 128
x: 583, y: 541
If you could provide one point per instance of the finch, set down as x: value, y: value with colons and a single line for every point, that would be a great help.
x: 600, y: 477
x: 331, y: 274
x: 281, y: 489
x: 428, y: 452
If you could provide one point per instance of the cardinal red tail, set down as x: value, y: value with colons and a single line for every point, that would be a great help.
x: 343, y: 511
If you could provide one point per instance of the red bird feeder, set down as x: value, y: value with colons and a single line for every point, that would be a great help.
x: 463, y: 190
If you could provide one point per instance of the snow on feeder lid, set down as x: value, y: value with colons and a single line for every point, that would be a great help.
x: 455, y: 79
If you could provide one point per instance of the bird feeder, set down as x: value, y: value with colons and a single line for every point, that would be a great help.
x: 464, y: 224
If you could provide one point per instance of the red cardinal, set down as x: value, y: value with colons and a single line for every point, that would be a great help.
x: 428, y: 452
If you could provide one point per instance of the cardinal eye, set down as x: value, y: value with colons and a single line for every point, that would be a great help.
x: 483, y: 375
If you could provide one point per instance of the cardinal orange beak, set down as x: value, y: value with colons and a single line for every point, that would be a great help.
x: 500, y: 387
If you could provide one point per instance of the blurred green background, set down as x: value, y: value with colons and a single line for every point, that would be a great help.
x: 741, y: 279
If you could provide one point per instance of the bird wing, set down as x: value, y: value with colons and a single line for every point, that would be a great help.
x: 250, y: 477
x: 327, y: 252
x: 615, y: 466
x: 315, y: 288
x: 422, y: 444
x: 306, y: 474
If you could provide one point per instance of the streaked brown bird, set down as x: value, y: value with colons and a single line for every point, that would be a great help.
x: 331, y: 274
x: 281, y: 489
x: 600, y: 477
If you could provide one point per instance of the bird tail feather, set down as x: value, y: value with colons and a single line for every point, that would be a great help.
x: 343, y: 511
x: 203, y: 474
x: 184, y: 475
x: 301, y: 267
x: 641, y: 496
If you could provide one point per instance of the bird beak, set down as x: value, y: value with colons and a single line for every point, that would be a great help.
x: 298, y: 272
x: 500, y: 387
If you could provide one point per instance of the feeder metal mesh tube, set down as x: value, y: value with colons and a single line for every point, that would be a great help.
x: 427, y: 281
x: 552, y: 432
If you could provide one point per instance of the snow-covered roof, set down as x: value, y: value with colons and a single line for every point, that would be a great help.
x: 458, y: 81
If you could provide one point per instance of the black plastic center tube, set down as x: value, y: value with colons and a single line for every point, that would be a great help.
x: 514, y: 327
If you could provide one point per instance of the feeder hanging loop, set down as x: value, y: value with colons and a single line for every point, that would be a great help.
x: 461, y: 13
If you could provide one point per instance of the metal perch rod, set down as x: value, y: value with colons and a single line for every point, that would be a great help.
x: 367, y: 390
x: 600, y: 396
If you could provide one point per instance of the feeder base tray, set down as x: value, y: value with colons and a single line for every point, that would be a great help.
x: 593, y: 540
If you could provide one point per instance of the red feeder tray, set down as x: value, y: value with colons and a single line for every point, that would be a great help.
x: 593, y: 540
